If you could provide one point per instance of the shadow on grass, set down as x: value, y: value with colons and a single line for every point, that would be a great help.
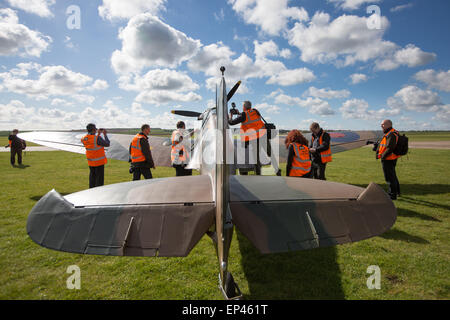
x: 310, y: 274
x: 395, y: 234
x: 413, y: 214
x: 37, y: 198
x: 21, y: 166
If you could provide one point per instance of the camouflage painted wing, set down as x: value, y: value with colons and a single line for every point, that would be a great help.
x: 156, y: 217
x: 118, y: 149
x: 279, y: 214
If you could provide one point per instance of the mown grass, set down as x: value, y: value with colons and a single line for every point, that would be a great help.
x: 413, y: 255
x: 428, y: 135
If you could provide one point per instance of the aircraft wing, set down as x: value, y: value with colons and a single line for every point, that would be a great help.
x: 280, y: 214
x: 118, y: 149
x: 340, y: 141
x: 156, y: 217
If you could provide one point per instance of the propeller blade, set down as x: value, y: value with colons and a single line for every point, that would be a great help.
x: 233, y: 90
x: 186, y: 113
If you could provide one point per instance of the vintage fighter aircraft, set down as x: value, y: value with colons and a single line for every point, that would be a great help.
x: 163, y: 217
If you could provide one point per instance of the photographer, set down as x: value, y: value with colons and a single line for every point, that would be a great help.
x: 95, y: 153
x: 141, y: 155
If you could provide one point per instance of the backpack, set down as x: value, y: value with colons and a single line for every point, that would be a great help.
x: 401, y: 148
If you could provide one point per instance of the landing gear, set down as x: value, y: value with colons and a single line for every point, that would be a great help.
x: 231, y: 290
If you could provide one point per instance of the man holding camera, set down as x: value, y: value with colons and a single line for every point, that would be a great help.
x: 140, y: 155
x: 385, y: 152
x: 95, y: 142
x: 252, y: 128
x: 17, y: 145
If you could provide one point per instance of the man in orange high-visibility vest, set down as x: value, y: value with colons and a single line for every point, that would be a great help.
x: 253, y: 128
x: 320, y: 150
x: 95, y: 153
x: 385, y: 152
x: 140, y: 155
x: 17, y: 145
x: 179, y: 155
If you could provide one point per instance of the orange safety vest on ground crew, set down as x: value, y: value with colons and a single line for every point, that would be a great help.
x: 177, y: 146
x: 301, y: 163
x: 95, y: 154
x: 325, y: 156
x: 136, y: 149
x: 383, y: 146
x: 253, y: 127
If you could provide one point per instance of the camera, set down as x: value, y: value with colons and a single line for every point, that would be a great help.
x: 375, y: 146
x: 131, y: 169
x: 233, y: 109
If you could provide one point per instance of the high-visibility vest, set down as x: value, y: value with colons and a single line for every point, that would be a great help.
x: 301, y: 163
x: 95, y: 154
x: 136, y: 149
x: 383, y: 146
x: 253, y: 127
x: 10, y: 141
x: 178, y: 146
x: 325, y: 155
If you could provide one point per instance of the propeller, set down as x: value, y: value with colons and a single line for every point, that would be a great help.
x: 186, y: 113
x: 233, y: 90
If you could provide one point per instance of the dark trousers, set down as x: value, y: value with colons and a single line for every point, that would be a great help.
x: 391, y: 177
x: 180, y: 170
x: 96, y: 176
x: 318, y: 170
x: 137, y: 171
x: 247, y: 157
x: 13, y: 156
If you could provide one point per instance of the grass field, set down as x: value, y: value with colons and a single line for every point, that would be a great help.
x: 413, y: 256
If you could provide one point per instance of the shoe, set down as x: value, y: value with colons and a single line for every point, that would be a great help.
x: 279, y: 172
x: 393, y: 197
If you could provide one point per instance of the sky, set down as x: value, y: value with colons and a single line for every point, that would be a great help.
x: 347, y: 64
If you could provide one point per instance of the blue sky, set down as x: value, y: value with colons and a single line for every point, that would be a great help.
x: 131, y: 62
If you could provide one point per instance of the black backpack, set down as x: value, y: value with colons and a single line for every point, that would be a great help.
x: 401, y: 148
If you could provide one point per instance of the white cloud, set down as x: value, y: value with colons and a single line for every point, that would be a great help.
x: 314, y: 105
x: 292, y: 77
x: 359, y: 109
x: 402, y: 7
x: 149, y: 42
x: 265, y: 49
x: 410, y: 56
x: 210, y: 57
x: 120, y: 9
x: 352, y: 4
x: 344, y: 41
x: 285, y: 53
x: 61, y: 102
x: 271, y: 16
x: 326, y: 93
x: 39, y: 7
x: 18, y: 39
x: 269, y: 108
x: 436, y: 80
x: 51, y: 81
x: 219, y: 16
x: 358, y: 78
x: 161, y: 86
x: 415, y: 99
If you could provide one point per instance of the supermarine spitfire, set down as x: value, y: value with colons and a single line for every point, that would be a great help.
x: 163, y: 217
